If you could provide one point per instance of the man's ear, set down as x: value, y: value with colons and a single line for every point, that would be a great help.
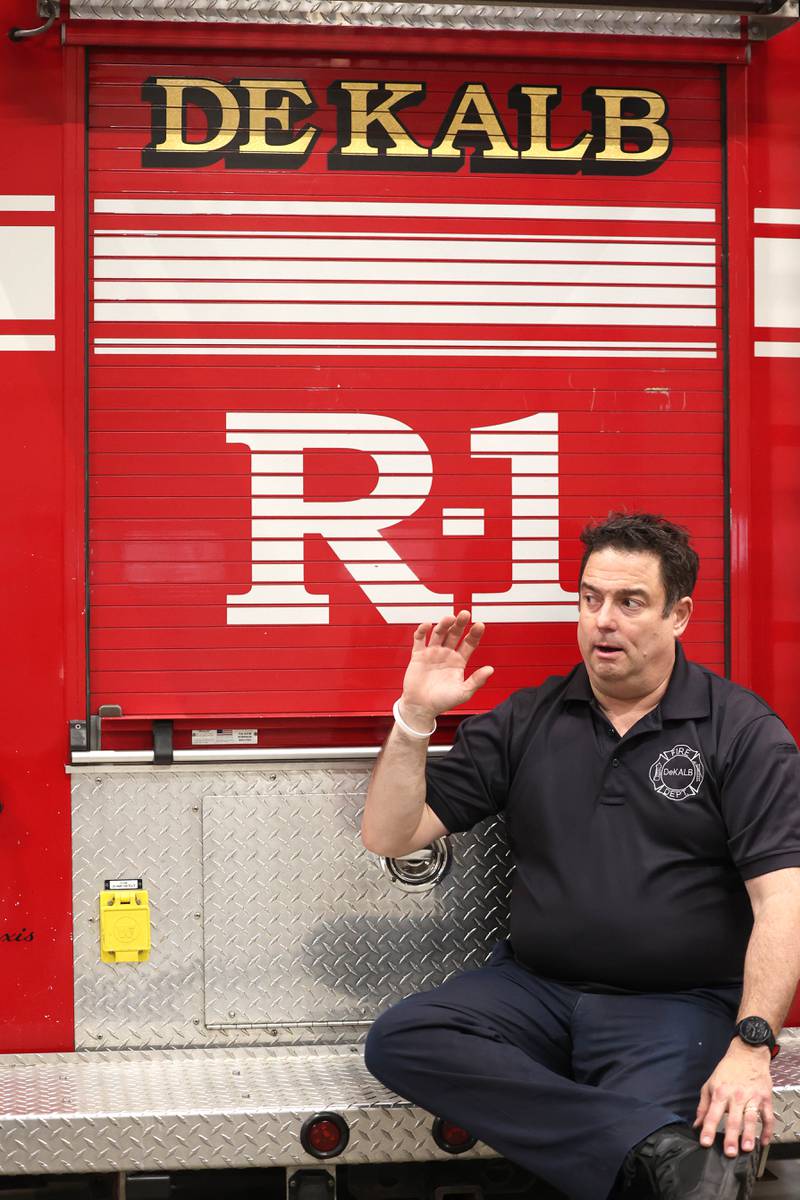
x: 681, y: 614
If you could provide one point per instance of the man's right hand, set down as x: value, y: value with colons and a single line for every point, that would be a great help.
x: 434, y: 681
x: 396, y: 818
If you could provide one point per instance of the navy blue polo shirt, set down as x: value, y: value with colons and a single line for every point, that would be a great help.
x: 630, y: 852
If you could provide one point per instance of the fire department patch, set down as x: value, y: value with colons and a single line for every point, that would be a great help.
x: 678, y: 773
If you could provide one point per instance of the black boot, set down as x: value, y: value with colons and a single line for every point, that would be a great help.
x: 671, y: 1164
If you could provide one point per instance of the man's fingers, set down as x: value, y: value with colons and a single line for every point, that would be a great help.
x: 767, y: 1121
x: 711, y: 1120
x: 702, y: 1107
x: 733, y: 1127
x: 449, y: 632
x: 749, y: 1127
x: 477, y: 679
x: 741, y: 1122
x: 441, y: 629
x: 471, y: 641
x: 456, y: 630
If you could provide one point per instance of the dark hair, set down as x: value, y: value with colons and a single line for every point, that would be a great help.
x: 647, y: 533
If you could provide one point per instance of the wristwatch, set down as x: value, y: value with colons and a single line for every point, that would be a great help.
x: 755, y: 1031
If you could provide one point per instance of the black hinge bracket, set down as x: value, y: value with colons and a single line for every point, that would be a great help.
x: 163, y: 751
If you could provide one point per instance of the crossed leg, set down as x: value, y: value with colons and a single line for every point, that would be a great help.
x: 561, y: 1082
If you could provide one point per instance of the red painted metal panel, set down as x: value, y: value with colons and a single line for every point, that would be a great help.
x: 775, y: 426
x: 35, y: 867
x: 739, y: 357
x: 270, y: 345
x: 772, y: 336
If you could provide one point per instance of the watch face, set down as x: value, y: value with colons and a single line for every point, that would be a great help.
x: 755, y: 1031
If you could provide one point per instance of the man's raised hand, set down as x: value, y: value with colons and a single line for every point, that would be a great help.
x: 434, y: 681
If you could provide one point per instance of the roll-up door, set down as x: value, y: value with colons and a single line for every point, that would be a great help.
x: 375, y: 337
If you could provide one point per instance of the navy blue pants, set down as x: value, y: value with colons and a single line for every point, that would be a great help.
x: 560, y: 1081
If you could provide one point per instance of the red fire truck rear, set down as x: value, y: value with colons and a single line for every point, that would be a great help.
x: 318, y: 320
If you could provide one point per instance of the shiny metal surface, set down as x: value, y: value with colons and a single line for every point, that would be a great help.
x: 786, y: 1085
x: 421, y: 871
x: 301, y: 925
x: 515, y: 17
x: 94, y: 758
x: 263, y: 905
x: 181, y: 1109
x: 191, y: 1109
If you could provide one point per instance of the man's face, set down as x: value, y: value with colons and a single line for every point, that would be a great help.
x: 627, y: 643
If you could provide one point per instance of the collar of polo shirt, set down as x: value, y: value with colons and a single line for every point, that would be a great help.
x: 686, y: 697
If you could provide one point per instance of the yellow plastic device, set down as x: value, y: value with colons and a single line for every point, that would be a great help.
x: 124, y: 925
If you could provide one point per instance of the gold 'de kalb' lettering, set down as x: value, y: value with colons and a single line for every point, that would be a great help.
x: 473, y: 120
x: 249, y: 122
x: 368, y: 123
x: 266, y: 123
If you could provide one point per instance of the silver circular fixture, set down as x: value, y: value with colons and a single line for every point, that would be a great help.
x: 422, y: 869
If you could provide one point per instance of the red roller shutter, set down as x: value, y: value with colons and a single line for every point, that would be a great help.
x: 336, y: 388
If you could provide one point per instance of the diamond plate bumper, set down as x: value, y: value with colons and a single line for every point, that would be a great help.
x: 189, y: 1109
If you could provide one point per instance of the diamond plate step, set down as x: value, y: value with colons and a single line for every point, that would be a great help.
x: 187, y: 1109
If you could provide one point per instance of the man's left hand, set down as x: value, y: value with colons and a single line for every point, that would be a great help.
x: 740, y: 1086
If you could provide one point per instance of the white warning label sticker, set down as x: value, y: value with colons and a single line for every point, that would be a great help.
x: 224, y: 737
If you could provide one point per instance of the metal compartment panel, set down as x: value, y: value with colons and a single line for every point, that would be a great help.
x: 305, y: 939
x: 301, y: 925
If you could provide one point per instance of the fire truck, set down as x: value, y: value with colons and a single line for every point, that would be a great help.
x: 320, y: 318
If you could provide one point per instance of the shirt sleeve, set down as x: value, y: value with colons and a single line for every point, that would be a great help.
x: 760, y: 798
x: 471, y: 781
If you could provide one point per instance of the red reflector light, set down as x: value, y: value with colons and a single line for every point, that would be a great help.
x: 324, y: 1135
x: 452, y: 1137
